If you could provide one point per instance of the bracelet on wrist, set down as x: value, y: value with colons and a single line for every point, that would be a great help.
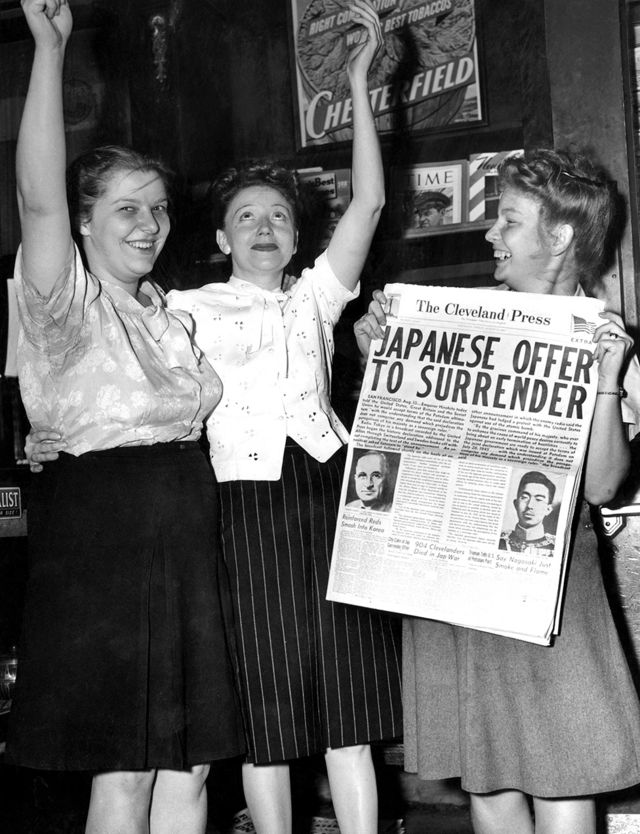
x: 620, y: 392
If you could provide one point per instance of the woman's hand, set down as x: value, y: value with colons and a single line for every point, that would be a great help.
x: 50, y: 21
x: 613, y: 345
x: 371, y: 326
x: 369, y: 39
x: 42, y: 446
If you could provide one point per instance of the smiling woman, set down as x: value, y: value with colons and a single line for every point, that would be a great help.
x: 517, y: 722
x: 553, y: 222
x: 124, y: 667
x: 118, y: 202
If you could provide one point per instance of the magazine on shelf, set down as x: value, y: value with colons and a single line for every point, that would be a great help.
x: 332, y: 192
x: 430, y: 197
x: 465, y: 458
x: 484, y: 195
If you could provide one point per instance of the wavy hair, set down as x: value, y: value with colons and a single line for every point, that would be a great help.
x: 569, y: 188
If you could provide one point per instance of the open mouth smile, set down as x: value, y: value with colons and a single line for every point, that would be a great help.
x: 141, y: 245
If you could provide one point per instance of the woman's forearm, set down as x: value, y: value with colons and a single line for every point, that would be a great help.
x: 41, y: 153
x: 608, y: 455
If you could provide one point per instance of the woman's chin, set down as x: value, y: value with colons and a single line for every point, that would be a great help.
x: 500, y: 273
x: 269, y: 261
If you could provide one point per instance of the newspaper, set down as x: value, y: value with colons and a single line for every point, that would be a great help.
x: 469, y: 393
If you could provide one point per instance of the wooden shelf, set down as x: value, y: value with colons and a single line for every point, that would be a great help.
x: 452, y: 228
x: 448, y: 272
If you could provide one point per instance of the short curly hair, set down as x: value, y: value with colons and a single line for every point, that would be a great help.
x: 571, y: 189
x: 254, y: 172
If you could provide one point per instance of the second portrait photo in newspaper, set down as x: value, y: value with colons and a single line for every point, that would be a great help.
x: 530, y: 520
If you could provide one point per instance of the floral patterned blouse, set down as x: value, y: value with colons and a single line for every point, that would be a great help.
x: 105, y: 371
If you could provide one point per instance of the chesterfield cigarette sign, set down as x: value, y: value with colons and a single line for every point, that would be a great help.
x: 425, y: 77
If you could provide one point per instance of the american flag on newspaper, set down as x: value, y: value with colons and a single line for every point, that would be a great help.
x: 580, y: 325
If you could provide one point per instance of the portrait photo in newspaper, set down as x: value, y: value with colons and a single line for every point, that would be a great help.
x: 372, y: 480
x: 531, y: 518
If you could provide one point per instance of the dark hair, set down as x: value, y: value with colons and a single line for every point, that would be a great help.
x: 89, y: 174
x: 537, y: 478
x: 254, y: 172
x: 571, y: 189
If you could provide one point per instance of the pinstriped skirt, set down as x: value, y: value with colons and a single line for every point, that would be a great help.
x: 313, y: 674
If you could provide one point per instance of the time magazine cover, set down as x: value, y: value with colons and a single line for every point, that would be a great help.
x: 426, y: 76
x: 429, y: 197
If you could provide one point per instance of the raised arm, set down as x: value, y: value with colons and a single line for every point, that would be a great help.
x: 352, y: 236
x: 608, y: 455
x: 40, y: 154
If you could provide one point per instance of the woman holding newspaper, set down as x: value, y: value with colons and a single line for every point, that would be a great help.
x: 315, y: 677
x: 515, y: 720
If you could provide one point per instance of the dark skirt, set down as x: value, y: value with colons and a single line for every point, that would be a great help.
x: 313, y: 674
x: 123, y: 661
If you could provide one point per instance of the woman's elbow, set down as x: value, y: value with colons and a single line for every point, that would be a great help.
x: 376, y: 210
x: 371, y: 201
x: 599, y: 495
x: 604, y: 490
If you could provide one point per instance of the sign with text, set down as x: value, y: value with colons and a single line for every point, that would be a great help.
x: 426, y: 76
